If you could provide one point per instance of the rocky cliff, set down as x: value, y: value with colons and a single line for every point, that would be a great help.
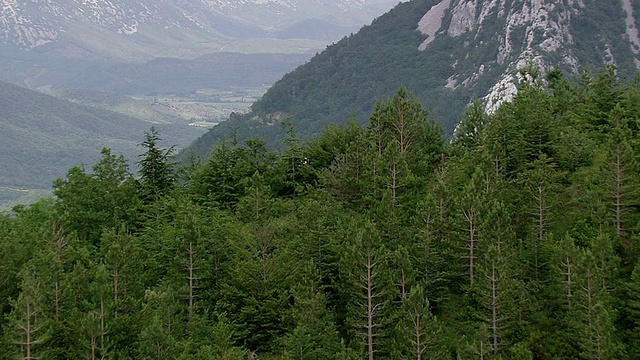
x: 541, y: 33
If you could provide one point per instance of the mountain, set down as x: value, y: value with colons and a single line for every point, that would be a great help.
x: 446, y: 52
x: 93, y: 52
x: 43, y: 42
x: 76, y: 24
x: 41, y: 136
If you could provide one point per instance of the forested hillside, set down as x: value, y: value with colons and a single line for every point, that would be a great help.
x: 42, y: 136
x: 469, y: 49
x: 517, y: 240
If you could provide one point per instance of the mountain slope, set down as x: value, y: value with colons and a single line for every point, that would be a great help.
x: 446, y: 52
x: 41, y: 137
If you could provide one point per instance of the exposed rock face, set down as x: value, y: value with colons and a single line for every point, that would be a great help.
x: 432, y: 21
x: 19, y: 29
x: 463, y: 17
x: 632, y: 29
x: 530, y: 32
x: 35, y: 23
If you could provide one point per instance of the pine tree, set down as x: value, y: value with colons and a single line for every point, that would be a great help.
x: 418, y: 329
x: 157, y: 176
x: 255, y: 293
x: 469, y: 132
x: 364, y: 265
x: 591, y: 315
x: 29, y: 327
x: 89, y: 203
x: 631, y: 313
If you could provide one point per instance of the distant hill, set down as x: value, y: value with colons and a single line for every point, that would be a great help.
x: 177, y: 76
x: 94, y: 51
x: 41, y: 136
x: 446, y: 52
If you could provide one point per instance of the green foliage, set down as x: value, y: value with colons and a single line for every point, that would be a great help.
x: 314, y: 335
x: 225, y: 178
x: 156, y: 173
x: 516, y: 241
x: 89, y: 203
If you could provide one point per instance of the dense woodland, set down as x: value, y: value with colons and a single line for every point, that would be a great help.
x: 517, y: 239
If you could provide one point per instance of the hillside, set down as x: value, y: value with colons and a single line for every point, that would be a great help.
x: 41, y: 136
x: 447, y: 53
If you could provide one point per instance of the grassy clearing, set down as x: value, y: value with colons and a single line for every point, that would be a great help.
x: 204, y: 124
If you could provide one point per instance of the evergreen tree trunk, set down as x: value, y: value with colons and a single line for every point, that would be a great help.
x: 372, y: 305
x: 495, y: 308
x: 618, y: 192
x: 27, y: 329
x: 60, y: 243
x: 191, y: 279
x: 470, y: 216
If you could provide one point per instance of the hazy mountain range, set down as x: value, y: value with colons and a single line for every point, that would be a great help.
x: 91, y: 52
x: 30, y: 24
x: 42, y: 42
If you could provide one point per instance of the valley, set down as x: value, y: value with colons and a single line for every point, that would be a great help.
x: 207, y: 107
x: 204, y: 107
x: 180, y: 118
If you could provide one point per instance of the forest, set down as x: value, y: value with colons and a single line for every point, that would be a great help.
x: 515, y: 239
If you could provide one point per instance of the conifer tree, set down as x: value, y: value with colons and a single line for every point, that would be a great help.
x: 364, y: 265
x: 157, y: 176
x: 89, y: 203
x: 631, y: 313
x: 314, y: 335
x: 28, y: 324
x: 417, y: 329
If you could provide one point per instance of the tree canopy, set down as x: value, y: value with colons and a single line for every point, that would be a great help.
x: 517, y: 239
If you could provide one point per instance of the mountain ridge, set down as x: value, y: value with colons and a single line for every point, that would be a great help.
x: 476, y: 51
x: 47, y: 43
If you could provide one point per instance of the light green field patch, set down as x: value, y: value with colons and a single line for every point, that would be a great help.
x: 204, y: 124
